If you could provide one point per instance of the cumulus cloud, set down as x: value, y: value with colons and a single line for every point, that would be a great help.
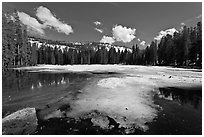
x: 48, y: 21
x: 164, y: 33
x: 183, y: 24
x: 97, y: 23
x: 123, y: 34
x: 107, y: 39
x: 142, y: 43
x: 51, y: 21
x: 99, y: 30
x: 120, y: 33
x: 31, y: 23
x: 199, y: 16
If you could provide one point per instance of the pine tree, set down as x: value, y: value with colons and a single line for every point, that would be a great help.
x: 34, y: 55
x: 5, y: 42
x: 199, y: 43
x: 186, y: 43
x: 153, y: 53
x: 193, y: 50
x: 25, y: 48
x: 52, y: 58
x: 19, y: 41
x: 134, y: 54
x: 8, y: 42
x: 112, y: 56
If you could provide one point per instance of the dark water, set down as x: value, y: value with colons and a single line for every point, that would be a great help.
x: 22, y: 89
x: 181, y: 111
x: 184, y: 96
x: 17, y: 81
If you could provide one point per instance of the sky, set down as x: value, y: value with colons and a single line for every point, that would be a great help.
x: 122, y: 23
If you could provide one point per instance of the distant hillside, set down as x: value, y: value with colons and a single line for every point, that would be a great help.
x: 74, y: 45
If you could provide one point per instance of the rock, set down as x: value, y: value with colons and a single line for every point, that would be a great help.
x: 129, y: 130
x: 20, y: 122
x: 97, y: 118
x: 54, y: 114
x: 101, y: 121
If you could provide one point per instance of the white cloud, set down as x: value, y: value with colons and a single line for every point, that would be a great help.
x: 199, y: 16
x: 142, y: 43
x: 32, y: 24
x: 97, y: 23
x: 138, y: 39
x: 183, y: 24
x: 49, y: 20
x: 164, y: 33
x: 99, y: 30
x: 107, y: 39
x: 123, y: 34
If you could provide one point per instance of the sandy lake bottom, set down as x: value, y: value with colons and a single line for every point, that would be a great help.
x: 106, y: 99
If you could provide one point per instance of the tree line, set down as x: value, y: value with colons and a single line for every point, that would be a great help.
x: 80, y: 54
x: 15, y: 49
x: 184, y: 48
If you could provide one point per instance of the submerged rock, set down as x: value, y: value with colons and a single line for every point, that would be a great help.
x: 20, y: 122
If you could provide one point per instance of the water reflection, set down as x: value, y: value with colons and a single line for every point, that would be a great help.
x: 15, y: 80
x: 182, y: 96
x: 21, y: 89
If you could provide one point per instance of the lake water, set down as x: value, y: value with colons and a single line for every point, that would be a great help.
x: 181, y: 111
x: 24, y: 89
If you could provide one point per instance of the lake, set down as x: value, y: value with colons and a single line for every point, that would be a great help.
x: 179, y: 111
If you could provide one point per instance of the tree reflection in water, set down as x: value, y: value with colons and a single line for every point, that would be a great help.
x: 182, y: 96
x: 15, y: 80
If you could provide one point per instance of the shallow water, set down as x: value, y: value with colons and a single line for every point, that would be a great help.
x: 22, y: 89
x: 181, y: 109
